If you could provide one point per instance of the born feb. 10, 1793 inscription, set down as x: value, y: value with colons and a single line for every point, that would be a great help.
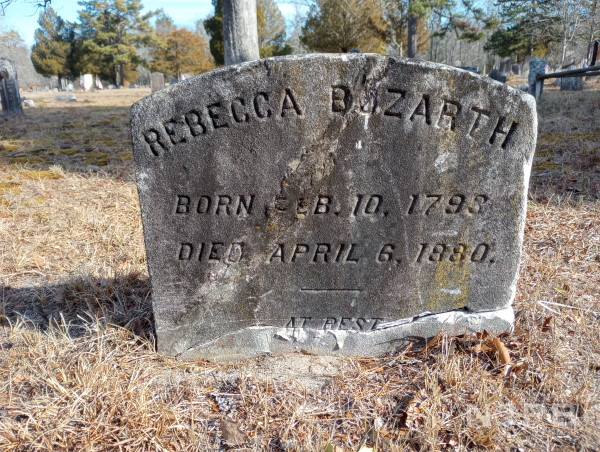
x: 336, y: 204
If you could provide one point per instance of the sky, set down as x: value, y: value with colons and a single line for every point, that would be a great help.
x: 22, y: 15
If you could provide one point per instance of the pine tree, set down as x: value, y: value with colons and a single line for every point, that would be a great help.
x: 51, y: 53
x: 525, y: 28
x: 214, y: 27
x: 271, y: 30
x: 109, y: 32
x: 341, y: 25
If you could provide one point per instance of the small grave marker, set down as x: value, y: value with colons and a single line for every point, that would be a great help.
x: 157, y: 81
x: 9, y: 88
x: 571, y: 83
x: 337, y: 204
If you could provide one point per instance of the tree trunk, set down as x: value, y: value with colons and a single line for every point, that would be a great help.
x: 240, y: 31
x: 590, y: 47
x: 412, y: 36
x: 531, y: 30
x: 59, y: 82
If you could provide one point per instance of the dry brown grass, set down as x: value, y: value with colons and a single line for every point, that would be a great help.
x: 78, y: 370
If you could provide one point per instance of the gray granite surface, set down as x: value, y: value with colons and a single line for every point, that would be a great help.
x: 336, y: 204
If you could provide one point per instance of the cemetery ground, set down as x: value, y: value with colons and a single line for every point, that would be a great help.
x: 78, y: 369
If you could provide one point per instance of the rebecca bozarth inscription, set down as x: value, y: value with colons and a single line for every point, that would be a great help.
x: 438, y: 112
x: 449, y: 114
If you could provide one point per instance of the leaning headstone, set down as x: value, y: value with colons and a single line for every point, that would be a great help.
x: 537, y: 66
x: 10, y: 98
x: 495, y: 74
x: 571, y: 83
x: 157, y: 81
x: 334, y: 204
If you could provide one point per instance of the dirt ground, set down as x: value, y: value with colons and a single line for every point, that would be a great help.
x: 78, y: 369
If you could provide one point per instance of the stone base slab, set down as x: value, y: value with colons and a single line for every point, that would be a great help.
x: 389, y: 338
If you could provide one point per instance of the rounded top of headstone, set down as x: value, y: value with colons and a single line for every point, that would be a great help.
x: 307, y: 65
x: 8, y: 68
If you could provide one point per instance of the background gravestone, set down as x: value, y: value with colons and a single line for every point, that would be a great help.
x: 336, y: 204
x: 571, y: 83
x: 505, y: 66
x: 468, y: 68
x: 157, y: 81
x: 9, y: 88
x: 86, y: 82
x: 495, y: 74
x: 537, y: 66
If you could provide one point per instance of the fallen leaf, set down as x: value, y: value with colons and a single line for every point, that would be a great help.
x: 414, y: 410
x: 19, y: 378
x: 433, y: 342
x: 502, y: 351
x: 231, y: 433
x: 38, y: 260
x: 546, y: 323
x: 481, y: 348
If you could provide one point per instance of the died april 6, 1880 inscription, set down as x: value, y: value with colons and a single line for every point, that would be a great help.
x: 331, y: 203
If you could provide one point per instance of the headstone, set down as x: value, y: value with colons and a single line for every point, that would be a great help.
x: 336, y: 204
x: 29, y: 102
x: 469, y: 68
x: 86, y: 82
x: 10, y: 97
x: 505, y: 66
x: 157, y: 81
x: 571, y: 83
x: 516, y: 69
x: 495, y: 74
x: 537, y: 66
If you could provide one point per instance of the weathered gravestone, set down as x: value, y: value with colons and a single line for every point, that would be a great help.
x: 335, y: 204
x: 157, y: 81
x: 505, y: 66
x: 537, y: 66
x: 9, y: 88
x: 495, y: 74
x: 468, y: 68
x: 571, y: 83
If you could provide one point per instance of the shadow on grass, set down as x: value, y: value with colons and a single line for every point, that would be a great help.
x: 82, y: 139
x: 124, y: 301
